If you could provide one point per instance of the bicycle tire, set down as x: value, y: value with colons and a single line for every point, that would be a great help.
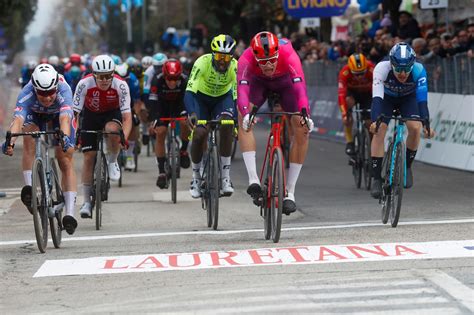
x: 356, y: 165
x: 39, y: 204
x: 285, y: 144
x: 267, y: 223
x: 120, y: 160
x: 58, y: 197
x: 214, y: 186
x: 386, y: 199
x: 136, y: 152
x: 234, y: 147
x: 397, y: 184
x: 98, y: 189
x: 277, y: 194
x: 173, y: 157
x: 367, y: 160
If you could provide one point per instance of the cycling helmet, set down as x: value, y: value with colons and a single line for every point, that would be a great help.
x: 117, y: 60
x: 223, y: 44
x: 75, y: 58
x: 122, y: 70
x: 131, y: 61
x: 357, y: 63
x: 264, y: 45
x: 103, y: 64
x: 53, y: 60
x: 31, y: 64
x: 402, y: 57
x: 159, y: 59
x: 147, y: 61
x: 172, y: 69
x: 45, y: 78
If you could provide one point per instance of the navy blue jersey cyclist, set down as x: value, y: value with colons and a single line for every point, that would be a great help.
x: 399, y: 82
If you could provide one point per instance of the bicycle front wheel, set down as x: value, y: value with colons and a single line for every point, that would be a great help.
x: 214, y: 186
x: 356, y: 165
x: 58, y: 199
x: 39, y: 205
x: 367, y: 159
x: 173, y: 157
x: 277, y: 194
x: 285, y: 144
x: 99, y: 173
x: 386, y: 188
x: 397, y: 184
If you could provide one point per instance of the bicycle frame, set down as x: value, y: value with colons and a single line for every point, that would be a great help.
x: 273, y: 143
x: 397, y: 138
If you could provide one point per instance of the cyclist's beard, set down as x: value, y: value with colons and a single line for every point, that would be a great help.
x: 221, y: 66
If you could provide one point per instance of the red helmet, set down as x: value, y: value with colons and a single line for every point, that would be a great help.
x: 75, y: 58
x: 264, y: 45
x: 172, y: 69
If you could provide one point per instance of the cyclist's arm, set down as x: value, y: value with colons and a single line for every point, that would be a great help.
x: 191, y: 102
x: 192, y: 87
x: 342, y: 90
x: 380, y: 74
x: 80, y: 96
x: 65, y: 112
x: 234, y: 80
x: 298, y: 81
x: 124, y: 103
x: 243, y: 82
x: 422, y: 93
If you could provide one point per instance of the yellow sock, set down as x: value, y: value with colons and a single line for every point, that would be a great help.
x: 348, y: 133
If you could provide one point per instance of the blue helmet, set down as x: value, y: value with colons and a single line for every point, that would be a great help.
x: 402, y: 57
x: 117, y: 60
x: 131, y: 61
x: 159, y: 59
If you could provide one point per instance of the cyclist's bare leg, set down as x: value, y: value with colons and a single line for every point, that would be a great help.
x: 28, y: 153
x: 185, y: 132
x: 225, y: 145
x: 197, y: 149
x: 377, y: 152
x: 87, y: 170
x: 414, y: 134
x: 113, y: 141
x: 68, y: 180
x: 348, y: 123
x: 297, y: 153
x: 248, y: 147
x: 377, y: 146
x: 160, y: 133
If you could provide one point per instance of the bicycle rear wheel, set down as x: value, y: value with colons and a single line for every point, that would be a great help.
x: 234, y: 147
x: 214, y: 186
x: 58, y: 198
x: 367, y: 159
x: 99, y: 187
x: 39, y: 205
x: 386, y: 188
x: 121, y: 160
x: 285, y: 144
x: 397, y: 184
x: 173, y: 157
x: 277, y: 194
x: 265, y: 205
x: 356, y: 165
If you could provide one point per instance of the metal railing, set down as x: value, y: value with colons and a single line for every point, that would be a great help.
x: 445, y: 75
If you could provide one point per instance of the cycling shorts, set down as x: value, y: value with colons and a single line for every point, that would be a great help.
x: 96, y: 121
x: 364, y: 100
x: 42, y: 121
x: 407, y: 105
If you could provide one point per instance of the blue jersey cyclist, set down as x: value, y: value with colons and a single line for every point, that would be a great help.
x: 47, y: 100
x: 399, y: 82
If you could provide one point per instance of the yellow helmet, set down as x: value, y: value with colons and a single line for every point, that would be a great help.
x: 357, y: 63
x: 223, y: 44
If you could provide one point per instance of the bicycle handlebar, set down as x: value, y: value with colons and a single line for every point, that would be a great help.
x: 102, y: 132
x: 425, y: 122
x: 35, y: 134
x: 216, y: 122
x: 173, y: 118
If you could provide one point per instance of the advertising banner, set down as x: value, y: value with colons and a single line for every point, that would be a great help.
x: 315, y: 8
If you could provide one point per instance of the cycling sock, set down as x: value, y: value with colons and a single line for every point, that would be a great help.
x: 377, y: 167
x: 225, y: 166
x: 27, y: 177
x: 293, y: 174
x: 87, y: 189
x: 196, y: 170
x: 70, y: 200
x: 251, y: 166
x: 111, y: 158
x: 131, y: 147
x: 410, y: 156
x: 161, y: 164
x: 348, y: 133
x: 184, y: 145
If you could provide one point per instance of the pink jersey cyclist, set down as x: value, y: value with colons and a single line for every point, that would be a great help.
x: 287, y: 80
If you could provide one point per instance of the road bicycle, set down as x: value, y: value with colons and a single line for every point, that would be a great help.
x: 362, y: 161
x: 47, y: 199
x: 394, y: 168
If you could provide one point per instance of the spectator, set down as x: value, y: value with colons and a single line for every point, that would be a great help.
x: 419, y: 46
x: 447, y: 49
x: 378, y: 51
x: 408, y: 27
x: 434, y: 46
x: 463, y: 44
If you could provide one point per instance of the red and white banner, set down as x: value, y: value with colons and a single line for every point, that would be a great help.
x: 257, y: 257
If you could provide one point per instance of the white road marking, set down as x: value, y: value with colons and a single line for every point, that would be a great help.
x: 297, y: 255
x: 460, y: 292
x: 228, y: 232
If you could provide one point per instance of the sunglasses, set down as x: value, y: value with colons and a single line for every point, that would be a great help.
x: 174, y: 79
x: 358, y: 74
x: 46, y: 93
x: 264, y: 61
x: 400, y: 69
x: 104, y: 76
x: 224, y: 57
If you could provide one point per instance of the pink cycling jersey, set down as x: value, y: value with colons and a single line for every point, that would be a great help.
x: 288, y: 73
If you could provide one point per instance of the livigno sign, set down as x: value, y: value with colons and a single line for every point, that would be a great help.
x: 315, y: 8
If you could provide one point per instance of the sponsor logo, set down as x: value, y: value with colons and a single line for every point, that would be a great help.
x: 244, y: 82
x: 296, y: 80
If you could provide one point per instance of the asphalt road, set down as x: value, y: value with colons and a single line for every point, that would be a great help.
x: 153, y: 256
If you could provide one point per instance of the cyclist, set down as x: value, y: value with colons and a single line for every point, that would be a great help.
x: 211, y: 94
x: 399, y: 82
x: 355, y: 86
x: 153, y: 70
x: 105, y: 100
x: 166, y: 100
x: 47, y: 99
x: 272, y: 65
x: 27, y: 71
x: 124, y: 71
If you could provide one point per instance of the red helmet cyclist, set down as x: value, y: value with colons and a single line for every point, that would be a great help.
x: 172, y: 70
x: 265, y: 46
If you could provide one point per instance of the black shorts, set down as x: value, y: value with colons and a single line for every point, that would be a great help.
x: 96, y: 121
x: 165, y: 110
x: 364, y: 100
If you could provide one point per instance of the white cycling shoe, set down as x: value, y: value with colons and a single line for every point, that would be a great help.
x: 114, y: 171
x: 195, y: 188
x: 130, y: 164
x: 226, y: 187
x: 86, y: 210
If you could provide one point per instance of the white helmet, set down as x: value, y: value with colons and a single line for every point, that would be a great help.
x: 147, y: 61
x: 45, y: 78
x: 122, y: 70
x: 32, y: 64
x: 53, y: 60
x: 103, y: 64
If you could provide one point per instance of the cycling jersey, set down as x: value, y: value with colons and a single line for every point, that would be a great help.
x: 134, y: 86
x: 205, y: 79
x: 386, y: 84
x: 356, y: 85
x: 27, y: 102
x: 88, y: 95
x: 147, y: 78
x: 288, y: 80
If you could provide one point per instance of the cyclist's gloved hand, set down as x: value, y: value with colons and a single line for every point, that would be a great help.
x: 192, y: 120
x: 306, y: 120
x: 246, y: 123
x: 6, y: 149
x: 67, y: 143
